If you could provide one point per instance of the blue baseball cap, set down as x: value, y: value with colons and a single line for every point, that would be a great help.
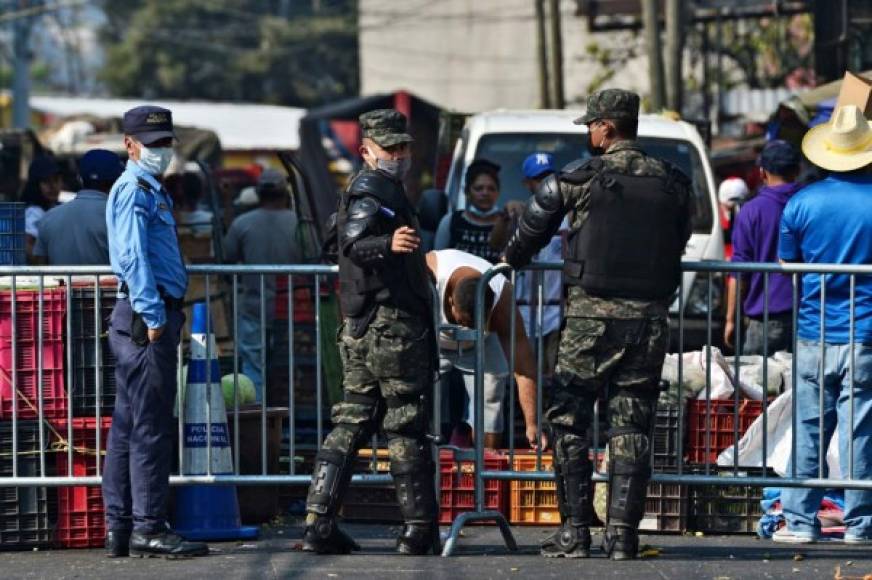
x: 779, y: 157
x: 538, y: 164
x: 100, y: 165
x: 148, y: 123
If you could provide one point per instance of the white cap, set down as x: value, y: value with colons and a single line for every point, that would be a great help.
x: 732, y: 190
x: 248, y: 196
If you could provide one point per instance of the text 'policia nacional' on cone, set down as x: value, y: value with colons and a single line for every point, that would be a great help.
x: 206, y: 512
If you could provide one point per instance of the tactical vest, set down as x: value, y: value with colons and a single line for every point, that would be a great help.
x: 631, y: 244
x: 400, y: 280
x: 472, y: 238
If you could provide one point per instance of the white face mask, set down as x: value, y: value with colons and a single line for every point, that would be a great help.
x: 398, y: 168
x: 155, y: 160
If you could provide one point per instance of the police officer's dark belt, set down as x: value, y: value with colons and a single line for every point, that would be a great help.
x: 170, y: 302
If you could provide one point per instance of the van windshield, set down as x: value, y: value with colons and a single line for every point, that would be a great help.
x: 510, y: 149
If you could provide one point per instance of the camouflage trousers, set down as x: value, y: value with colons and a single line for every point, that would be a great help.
x: 388, y: 378
x: 620, y: 358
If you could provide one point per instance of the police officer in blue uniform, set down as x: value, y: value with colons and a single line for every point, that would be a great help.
x: 144, y: 335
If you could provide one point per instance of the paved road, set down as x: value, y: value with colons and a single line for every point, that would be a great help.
x: 481, y: 555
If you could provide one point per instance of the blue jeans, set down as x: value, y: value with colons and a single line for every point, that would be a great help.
x: 801, y: 505
x: 250, y: 350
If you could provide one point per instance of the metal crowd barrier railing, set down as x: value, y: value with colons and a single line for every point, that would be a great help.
x: 709, y: 269
x: 321, y: 277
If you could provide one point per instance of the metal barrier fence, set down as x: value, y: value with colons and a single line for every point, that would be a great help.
x: 681, y: 477
x: 321, y: 278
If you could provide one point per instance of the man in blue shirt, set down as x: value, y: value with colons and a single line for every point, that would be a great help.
x: 74, y: 233
x: 830, y: 222
x: 144, y: 334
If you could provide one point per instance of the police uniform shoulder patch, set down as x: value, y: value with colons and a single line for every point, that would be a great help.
x: 145, y: 185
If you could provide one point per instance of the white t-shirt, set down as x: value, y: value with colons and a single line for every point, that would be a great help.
x: 447, y: 262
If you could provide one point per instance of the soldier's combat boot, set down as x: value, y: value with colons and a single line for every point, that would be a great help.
x: 330, y: 481
x: 416, y: 494
x: 628, y: 485
x: 574, y: 487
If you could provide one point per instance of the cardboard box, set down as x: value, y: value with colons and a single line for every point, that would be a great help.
x: 856, y: 90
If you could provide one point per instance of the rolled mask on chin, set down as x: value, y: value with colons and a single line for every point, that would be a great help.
x: 397, y: 168
x: 483, y: 213
x: 155, y: 160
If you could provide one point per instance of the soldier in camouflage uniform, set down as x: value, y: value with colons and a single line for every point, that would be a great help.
x: 630, y: 220
x: 386, y: 344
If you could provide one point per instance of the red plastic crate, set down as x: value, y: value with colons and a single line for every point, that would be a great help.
x: 81, y: 520
x: 54, y: 307
x: 720, y: 424
x: 26, y: 335
x: 304, y: 302
x: 458, y: 486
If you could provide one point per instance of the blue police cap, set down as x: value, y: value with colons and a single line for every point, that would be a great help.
x: 537, y: 165
x: 100, y: 165
x: 148, y: 123
x: 779, y: 157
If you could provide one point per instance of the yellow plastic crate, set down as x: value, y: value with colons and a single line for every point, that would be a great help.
x: 533, y: 503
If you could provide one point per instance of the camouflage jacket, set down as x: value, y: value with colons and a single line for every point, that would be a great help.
x: 623, y: 157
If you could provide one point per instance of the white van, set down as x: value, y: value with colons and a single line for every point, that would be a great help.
x: 507, y: 137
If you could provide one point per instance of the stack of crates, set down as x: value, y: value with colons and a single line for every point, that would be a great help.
x: 457, y: 485
x: 80, y: 515
x: 84, y: 324
x: 12, y: 234
x: 27, y: 514
x: 26, y: 372
x: 712, y: 427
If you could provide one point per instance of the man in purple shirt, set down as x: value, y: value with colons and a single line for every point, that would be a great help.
x: 755, y: 239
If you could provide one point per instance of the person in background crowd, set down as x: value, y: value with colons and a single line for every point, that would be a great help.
x: 189, y: 212
x: 144, y: 334
x: 732, y: 192
x: 830, y: 222
x: 470, y: 230
x: 537, y: 167
x: 755, y: 239
x: 457, y: 274
x: 40, y: 194
x: 74, y: 233
x: 266, y: 235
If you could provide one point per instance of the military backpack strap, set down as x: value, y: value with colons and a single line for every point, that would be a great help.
x: 581, y: 171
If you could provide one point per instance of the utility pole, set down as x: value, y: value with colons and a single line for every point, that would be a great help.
x: 674, y: 48
x: 21, y: 73
x: 558, y: 101
x: 542, y: 56
x: 655, y: 53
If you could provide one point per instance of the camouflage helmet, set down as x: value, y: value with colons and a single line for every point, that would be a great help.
x: 387, y: 127
x: 610, y: 104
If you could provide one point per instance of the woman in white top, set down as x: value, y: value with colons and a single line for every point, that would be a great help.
x: 40, y: 194
x: 457, y: 274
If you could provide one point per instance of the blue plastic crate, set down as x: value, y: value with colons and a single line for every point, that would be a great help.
x: 12, y: 233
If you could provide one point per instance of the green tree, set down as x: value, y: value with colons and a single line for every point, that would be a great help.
x: 232, y: 50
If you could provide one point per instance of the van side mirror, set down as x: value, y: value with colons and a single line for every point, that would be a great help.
x: 431, y: 208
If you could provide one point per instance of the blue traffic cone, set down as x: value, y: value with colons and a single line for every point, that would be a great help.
x: 206, y: 512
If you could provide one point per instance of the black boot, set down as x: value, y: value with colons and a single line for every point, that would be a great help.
x: 628, y: 485
x: 574, y: 489
x: 118, y: 543
x: 621, y: 542
x: 166, y: 544
x: 330, y: 481
x: 416, y: 494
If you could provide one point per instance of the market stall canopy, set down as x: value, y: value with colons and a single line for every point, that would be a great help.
x: 239, y: 126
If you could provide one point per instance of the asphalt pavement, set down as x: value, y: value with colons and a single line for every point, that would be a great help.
x: 480, y: 555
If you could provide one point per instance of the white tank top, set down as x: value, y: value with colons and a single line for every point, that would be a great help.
x: 447, y: 262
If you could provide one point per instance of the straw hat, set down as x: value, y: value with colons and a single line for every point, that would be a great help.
x: 843, y: 144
